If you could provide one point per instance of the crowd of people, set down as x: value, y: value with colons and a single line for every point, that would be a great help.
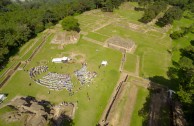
x: 56, y: 81
x: 85, y: 76
x: 37, y: 70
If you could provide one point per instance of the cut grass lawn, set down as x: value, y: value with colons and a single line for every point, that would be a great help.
x: 136, y: 119
x: 129, y: 14
x: 154, y: 64
x: 96, y: 36
x: 130, y: 64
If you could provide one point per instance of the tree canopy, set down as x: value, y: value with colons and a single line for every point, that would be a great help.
x: 183, y: 73
x: 20, y: 21
x: 174, y: 13
x: 152, y: 8
x: 69, y: 23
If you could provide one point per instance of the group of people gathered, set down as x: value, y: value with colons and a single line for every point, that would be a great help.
x: 85, y: 76
x: 56, y: 81
x: 37, y: 70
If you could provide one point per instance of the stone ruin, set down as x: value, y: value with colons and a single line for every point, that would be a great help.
x: 65, y: 38
x: 38, y: 113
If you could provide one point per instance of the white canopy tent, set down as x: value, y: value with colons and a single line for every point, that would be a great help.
x: 60, y: 60
x: 104, y: 63
x: 2, y: 97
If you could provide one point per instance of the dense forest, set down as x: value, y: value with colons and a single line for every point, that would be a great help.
x: 20, y: 21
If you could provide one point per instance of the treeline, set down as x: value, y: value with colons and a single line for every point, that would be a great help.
x: 153, y: 10
x: 153, y: 7
x: 20, y: 21
x: 183, y: 74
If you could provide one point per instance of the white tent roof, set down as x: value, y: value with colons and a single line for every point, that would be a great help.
x: 2, y: 97
x: 104, y: 63
x: 56, y: 60
x: 60, y: 59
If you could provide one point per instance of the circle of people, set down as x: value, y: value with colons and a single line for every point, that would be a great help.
x: 56, y: 81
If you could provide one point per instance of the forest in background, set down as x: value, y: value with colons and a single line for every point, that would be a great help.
x: 21, y: 21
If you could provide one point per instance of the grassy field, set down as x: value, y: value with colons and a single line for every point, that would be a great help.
x: 98, y: 37
x: 130, y: 64
x: 152, y: 66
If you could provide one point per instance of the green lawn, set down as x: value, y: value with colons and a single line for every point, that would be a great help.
x: 136, y: 119
x: 154, y: 64
x: 126, y: 11
x: 96, y: 36
x: 130, y: 64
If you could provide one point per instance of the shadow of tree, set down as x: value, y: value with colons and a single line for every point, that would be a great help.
x: 169, y: 83
x: 163, y: 115
x: 63, y: 120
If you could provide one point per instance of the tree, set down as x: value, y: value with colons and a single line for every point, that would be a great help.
x: 153, y: 10
x: 174, y: 13
x: 49, y: 16
x: 69, y: 23
x: 183, y: 73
